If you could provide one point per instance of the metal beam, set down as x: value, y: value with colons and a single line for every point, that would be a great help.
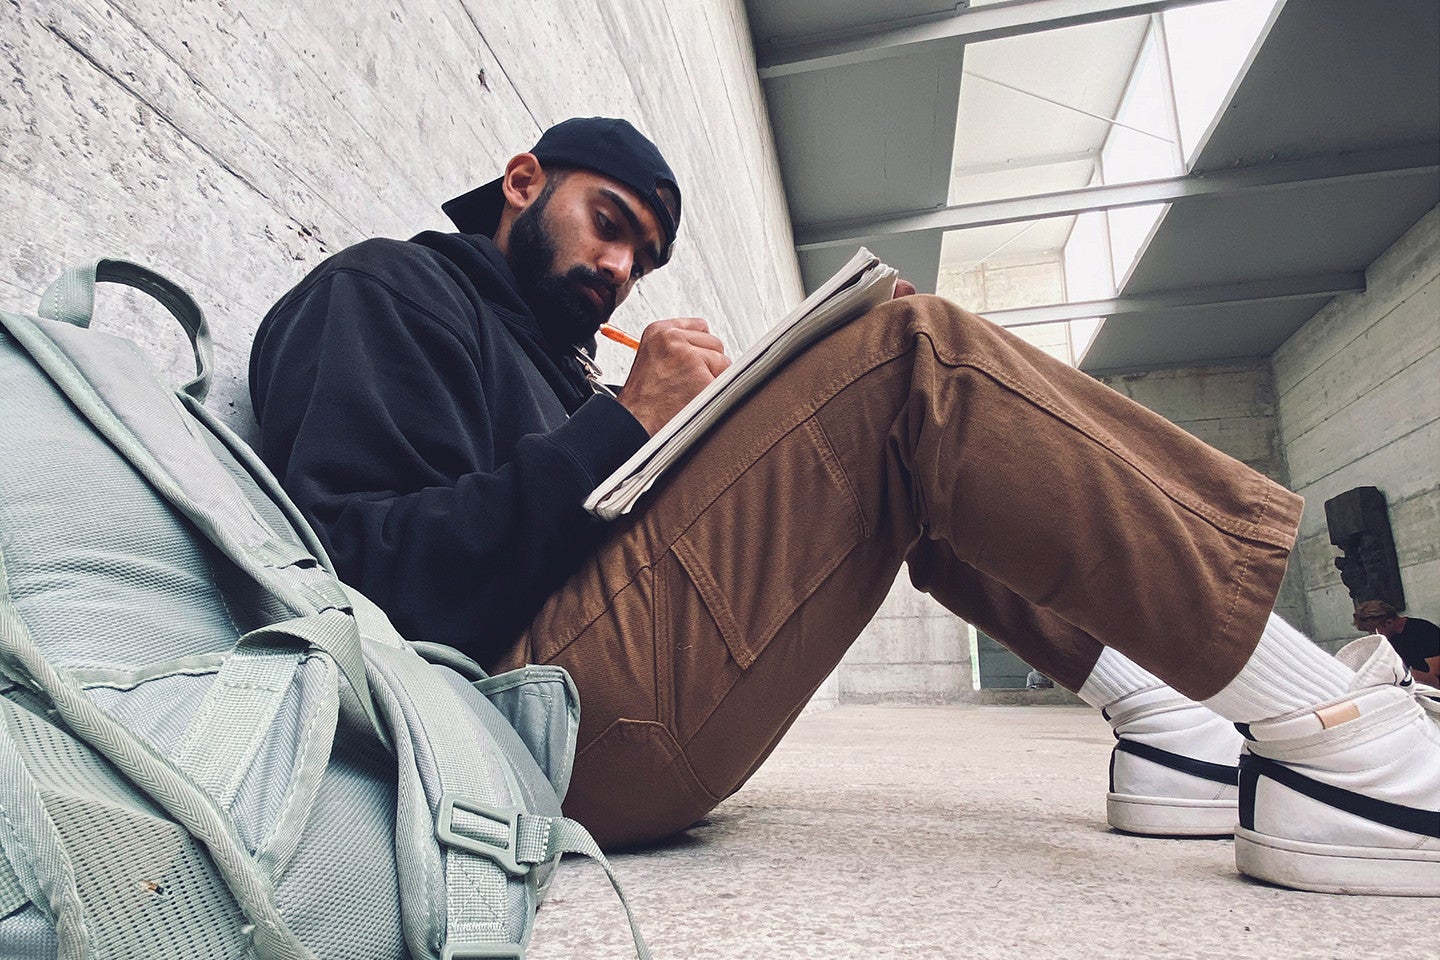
x: 972, y: 25
x: 1235, y: 294
x: 1423, y: 159
x: 1026, y: 163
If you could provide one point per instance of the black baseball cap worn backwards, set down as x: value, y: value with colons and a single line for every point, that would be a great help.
x: 604, y: 145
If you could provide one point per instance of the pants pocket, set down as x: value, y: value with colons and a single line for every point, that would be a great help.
x: 766, y: 543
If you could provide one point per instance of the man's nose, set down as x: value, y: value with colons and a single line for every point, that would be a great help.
x: 616, y: 262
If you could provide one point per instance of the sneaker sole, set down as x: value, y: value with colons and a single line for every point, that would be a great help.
x: 1170, y: 816
x: 1328, y: 868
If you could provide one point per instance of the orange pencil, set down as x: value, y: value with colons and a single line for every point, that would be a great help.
x: 619, y: 336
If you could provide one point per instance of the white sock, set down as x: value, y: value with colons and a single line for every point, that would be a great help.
x: 1287, y: 673
x: 1115, y: 676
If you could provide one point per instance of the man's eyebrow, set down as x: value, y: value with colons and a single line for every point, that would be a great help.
x: 652, y: 249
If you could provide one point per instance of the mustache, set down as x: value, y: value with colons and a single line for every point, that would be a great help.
x: 583, y: 276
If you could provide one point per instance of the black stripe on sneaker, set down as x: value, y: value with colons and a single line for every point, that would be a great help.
x: 1410, y: 819
x: 1218, y: 772
x: 1249, y: 777
x: 1244, y: 729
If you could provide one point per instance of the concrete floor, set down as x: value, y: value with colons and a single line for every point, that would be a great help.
x: 953, y: 832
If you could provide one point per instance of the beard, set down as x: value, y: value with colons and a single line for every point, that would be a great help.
x: 560, y: 301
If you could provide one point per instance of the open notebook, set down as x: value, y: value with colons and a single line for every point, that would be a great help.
x: 862, y: 283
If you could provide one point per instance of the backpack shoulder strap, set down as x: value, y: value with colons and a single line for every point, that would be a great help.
x: 485, y: 830
x: 111, y: 384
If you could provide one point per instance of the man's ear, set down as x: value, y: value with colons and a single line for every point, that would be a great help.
x: 524, y: 179
x: 521, y: 186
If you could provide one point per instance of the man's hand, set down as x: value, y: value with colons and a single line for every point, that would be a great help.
x: 677, y: 359
x: 903, y: 288
x: 1432, y: 676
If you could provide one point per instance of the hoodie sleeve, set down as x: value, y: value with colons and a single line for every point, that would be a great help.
x: 375, y: 417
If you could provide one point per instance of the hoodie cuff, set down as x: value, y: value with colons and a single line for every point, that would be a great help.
x: 600, y: 436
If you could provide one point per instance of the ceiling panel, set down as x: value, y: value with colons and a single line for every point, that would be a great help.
x: 1085, y: 66
x: 1030, y: 105
x: 868, y: 138
x: 916, y: 256
x: 998, y: 124
x: 1139, y: 341
x: 1303, y: 231
x: 788, y: 21
x: 1331, y: 77
x: 1022, y: 181
x: 961, y: 249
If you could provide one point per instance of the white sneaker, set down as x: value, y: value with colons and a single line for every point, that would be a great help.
x: 1173, y: 770
x: 1345, y: 798
x: 1428, y: 697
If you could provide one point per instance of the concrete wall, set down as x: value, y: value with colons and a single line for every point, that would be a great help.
x: 1359, y: 405
x: 1234, y: 408
x: 913, y: 651
x: 233, y: 146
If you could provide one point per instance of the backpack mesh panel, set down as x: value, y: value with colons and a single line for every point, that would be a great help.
x: 27, y: 935
x: 27, y: 700
x: 339, y: 893
x: 59, y: 762
x: 86, y: 537
x: 136, y: 873
x: 134, y: 869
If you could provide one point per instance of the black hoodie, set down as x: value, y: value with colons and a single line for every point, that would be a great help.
x: 411, y: 405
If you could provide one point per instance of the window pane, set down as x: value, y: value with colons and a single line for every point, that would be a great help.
x: 1209, y: 45
x: 1139, y: 148
x: 1004, y: 267
x: 1088, y: 273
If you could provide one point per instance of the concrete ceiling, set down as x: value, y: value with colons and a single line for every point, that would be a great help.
x: 1332, y: 78
x: 898, y: 121
x: 862, y: 139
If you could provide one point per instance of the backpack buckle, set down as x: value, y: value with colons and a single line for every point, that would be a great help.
x: 501, y: 849
x: 482, y: 951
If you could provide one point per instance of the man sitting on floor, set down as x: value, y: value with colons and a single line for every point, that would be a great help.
x: 1416, y: 641
x: 423, y: 403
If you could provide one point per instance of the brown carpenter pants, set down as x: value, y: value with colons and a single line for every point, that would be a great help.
x: 1034, y: 502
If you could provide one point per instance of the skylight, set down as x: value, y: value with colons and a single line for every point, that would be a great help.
x: 1109, y: 103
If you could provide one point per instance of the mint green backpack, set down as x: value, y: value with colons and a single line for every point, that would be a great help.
x: 209, y: 746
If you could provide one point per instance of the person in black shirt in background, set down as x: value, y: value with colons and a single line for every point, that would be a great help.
x: 1417, y: 641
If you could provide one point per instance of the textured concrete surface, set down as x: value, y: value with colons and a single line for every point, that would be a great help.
x: 953, y: 832
x: 1358, y: 407
x: 914, y: 650
x: 233, y: 146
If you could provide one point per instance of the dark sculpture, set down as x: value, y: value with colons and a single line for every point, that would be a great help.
x: 1359, y: 525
